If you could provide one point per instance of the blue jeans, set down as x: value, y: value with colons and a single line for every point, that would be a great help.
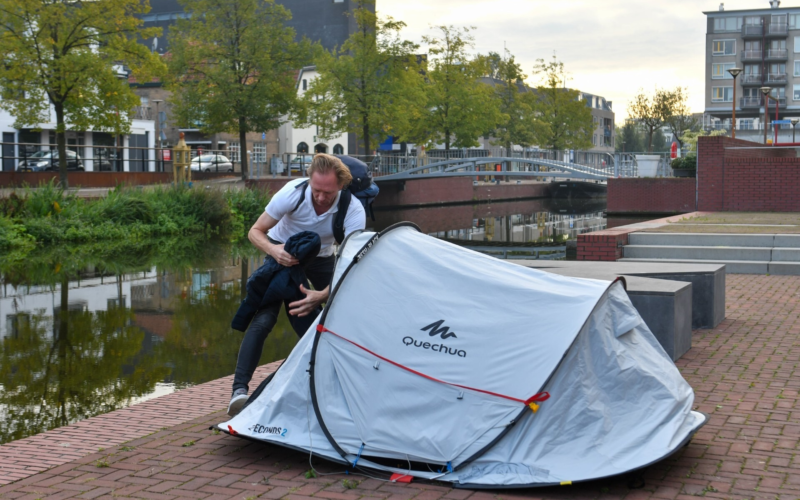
x: 320, y: 273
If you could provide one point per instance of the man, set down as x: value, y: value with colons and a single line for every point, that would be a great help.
x: 285, y: 215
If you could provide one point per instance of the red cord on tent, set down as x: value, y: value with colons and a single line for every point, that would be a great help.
x: 233, y: 432
x: 530, y: 402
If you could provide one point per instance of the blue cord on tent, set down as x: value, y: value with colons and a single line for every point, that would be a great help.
x: 358, y: 456
x: 449, y: 467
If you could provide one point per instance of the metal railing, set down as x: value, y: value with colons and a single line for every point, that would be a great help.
x: 32, y: 157
x: 776, y: 78
x: 752, y: 80
x: 752, y: 55
x: 778, y: 29
x: 752, y: 30
x: 777, y: 54
x: 751, y: 102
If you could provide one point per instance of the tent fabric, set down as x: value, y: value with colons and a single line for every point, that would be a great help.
x: 429, y: 353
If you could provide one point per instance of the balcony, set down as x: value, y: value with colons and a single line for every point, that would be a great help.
x: 751, y: 55
x: 779, y: 30
x: 141, y: 113
x: 777, y: 54
x: 751, y: 102
x: 752, y: 31
x: 776, y: 79
x: 781, y: 102
x: 751, y: 80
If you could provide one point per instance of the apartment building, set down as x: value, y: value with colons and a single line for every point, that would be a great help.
x: 603, y: 133
x: 765, y: 44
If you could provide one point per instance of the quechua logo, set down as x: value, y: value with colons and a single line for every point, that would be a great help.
x: 436, y: 328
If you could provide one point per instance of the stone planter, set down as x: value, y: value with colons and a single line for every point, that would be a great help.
x: 648, y: 165
x: 685, y: 172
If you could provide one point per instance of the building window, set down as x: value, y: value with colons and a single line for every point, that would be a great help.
x: 797, y: 68
x: 721, y: 94
x: 338, y: 149
x: 305, y: 84
x: 720, y: 71
x: 722, y: 24
x: 723, y: 47
x: 778, y: 93
x: 259, y: 152
x: 302, y: 147
x: 794, y: 21
x: 796, y: 92
x: 746, y: 124
x: 780, y: 44
x: 233, y: 150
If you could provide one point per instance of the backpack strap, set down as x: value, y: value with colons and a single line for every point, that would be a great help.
x: 338, y: 221
x: 304, y: 186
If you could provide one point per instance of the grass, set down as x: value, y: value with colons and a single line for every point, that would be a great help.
x: 49, y: 216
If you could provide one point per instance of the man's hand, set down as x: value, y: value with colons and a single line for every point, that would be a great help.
x: 307, y: 305
x: 282, y: 257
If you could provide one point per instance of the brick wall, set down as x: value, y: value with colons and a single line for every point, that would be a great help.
x: 755, y: 185
x: 651, y: 195
x: 444, y: 190
x: 603, y: 245
x: 744, y: 179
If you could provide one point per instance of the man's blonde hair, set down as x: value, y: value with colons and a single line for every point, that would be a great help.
x: 324, y: 163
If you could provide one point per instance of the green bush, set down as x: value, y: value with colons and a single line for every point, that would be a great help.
x: 48, y: 215
x: 686, y: 163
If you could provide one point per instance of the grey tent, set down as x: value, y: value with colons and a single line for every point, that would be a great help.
x: 441, y: 363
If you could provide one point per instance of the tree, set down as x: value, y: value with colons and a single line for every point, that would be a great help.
x: 233, y: 66
x: 629, y: 137
x: 370, y: 86
x: 652, y: 112
x: 459, y: 107
x: 681, y: 120
x: 519, y: 123
x: 69, y: 55
x: 568, y: 119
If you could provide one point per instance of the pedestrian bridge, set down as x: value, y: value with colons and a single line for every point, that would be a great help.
x: 509, y: 167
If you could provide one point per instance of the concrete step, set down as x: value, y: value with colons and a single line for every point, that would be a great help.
x: 730, y: 253
x: 731, y: 266
x: 736, y: 266
x: 716, y: 240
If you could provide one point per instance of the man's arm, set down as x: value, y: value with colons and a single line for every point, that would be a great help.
x: 258, y: 237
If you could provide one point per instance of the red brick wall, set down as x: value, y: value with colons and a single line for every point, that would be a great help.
x: 744, y: 179
x: 603, y: 245
x: 453, y: 190
x: 755, y: 185
x: 651, y: 195
x: 100, y: 179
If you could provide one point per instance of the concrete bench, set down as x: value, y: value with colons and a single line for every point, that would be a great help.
x: 671, y: 298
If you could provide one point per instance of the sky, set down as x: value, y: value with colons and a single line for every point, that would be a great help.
x: 611, y: 48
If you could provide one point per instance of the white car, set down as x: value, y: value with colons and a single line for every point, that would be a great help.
x: 211, y: 163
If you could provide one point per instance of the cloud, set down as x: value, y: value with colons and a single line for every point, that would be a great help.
x: 611, y: 48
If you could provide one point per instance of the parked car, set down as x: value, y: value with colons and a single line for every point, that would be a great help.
x: 48, y: 160
x: 211, y: 163
x: 300, y: 163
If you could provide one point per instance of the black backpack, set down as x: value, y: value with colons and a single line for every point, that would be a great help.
x: 361, y: 187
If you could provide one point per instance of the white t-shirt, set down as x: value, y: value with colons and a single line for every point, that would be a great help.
x: 306, y: 219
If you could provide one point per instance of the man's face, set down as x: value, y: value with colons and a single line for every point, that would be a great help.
x: 324, y: 188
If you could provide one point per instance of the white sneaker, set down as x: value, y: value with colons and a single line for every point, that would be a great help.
x: 237, y: 402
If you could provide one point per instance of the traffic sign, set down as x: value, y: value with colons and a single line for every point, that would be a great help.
x: 781, y: 122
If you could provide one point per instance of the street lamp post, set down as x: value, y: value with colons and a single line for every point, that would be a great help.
x: 794, y: 122
x: 734, y: 73
x: 765, y: 91
x: 158, y: 132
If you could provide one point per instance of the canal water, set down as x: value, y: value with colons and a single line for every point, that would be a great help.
x: 86, y: 332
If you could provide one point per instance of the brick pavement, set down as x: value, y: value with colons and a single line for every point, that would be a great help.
x: 743, y: 373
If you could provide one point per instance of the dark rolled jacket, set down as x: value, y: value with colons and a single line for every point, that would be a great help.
x: 273, y: 282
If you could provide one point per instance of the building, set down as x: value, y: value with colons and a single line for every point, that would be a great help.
x: 765, y: 44
x: 97, y: 150
x: 604, y: 131
x: 328, y: 22
x: 293, y: 140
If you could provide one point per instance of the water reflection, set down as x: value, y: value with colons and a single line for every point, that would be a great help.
x: 87, y: 343
x: 90, y: 329
x: 512, y: 224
